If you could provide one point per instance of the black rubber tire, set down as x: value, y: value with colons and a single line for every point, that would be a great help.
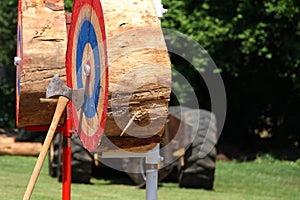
x: 53, y: 155
x: 30, y: 136
x: 200, y: 157
x: 82, y: 162
x: 138, y: 165
x: 81, y: 165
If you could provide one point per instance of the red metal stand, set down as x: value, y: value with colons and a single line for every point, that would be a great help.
x: 66, y: 171
x: 66, y: 190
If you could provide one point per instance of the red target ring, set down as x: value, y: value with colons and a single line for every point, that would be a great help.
x: 18, y: 59
x: 87, y: 68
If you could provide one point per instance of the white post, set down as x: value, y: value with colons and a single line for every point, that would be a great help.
x: 159, y: 8
x: 152, y: 159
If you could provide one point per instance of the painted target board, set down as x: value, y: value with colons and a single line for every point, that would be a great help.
x: 18, y: 58
x: 86, y: 65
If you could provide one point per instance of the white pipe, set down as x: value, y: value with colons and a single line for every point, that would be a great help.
x: 152, y: 160
x: 159, y: 8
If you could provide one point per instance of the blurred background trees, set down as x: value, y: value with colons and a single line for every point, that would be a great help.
x: 254, y: 43
x: 8, y: 28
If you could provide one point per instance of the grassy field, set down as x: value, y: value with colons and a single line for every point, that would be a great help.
x: 264, y: 178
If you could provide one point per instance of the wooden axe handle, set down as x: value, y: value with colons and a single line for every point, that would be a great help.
x: 60, y: 107
x: 43, y: 100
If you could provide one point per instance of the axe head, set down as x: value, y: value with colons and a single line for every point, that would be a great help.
x: 58, y: 88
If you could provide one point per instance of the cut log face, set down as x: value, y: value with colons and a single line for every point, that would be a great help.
x: 44, y: 43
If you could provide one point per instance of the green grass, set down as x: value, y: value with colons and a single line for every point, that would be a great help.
x: 262, y: 179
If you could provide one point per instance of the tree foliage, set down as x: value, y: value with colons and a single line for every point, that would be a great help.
x: 8, y: 19
x: 256, y: 45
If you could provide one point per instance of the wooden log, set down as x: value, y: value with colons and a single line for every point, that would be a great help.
x: 6, y: 140
x: 21, y: 148
x: 42, y: 50
x: 139, y: 72
x: 139, y: 68
x: 8, y: 146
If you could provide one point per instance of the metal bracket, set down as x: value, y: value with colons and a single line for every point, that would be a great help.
x: 17, y: 60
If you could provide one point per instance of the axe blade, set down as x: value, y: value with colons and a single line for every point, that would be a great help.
x: 58, y: 88
x: 78, y: 98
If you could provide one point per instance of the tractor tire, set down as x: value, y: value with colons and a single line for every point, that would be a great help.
x: 81, y: 164
x: 199, y: 168
x: 53, y: 155
x: 138, y: 165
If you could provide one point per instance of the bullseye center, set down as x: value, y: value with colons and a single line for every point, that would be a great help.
x: 88, y: 70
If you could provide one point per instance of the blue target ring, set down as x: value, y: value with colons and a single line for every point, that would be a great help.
x: 20, y: 64
x: 87, y: 35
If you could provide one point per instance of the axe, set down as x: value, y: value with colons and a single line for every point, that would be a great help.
x: 65, y: 94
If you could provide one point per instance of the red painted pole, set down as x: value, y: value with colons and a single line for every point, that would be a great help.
x: 66, y: 172
x: 67, y: 133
